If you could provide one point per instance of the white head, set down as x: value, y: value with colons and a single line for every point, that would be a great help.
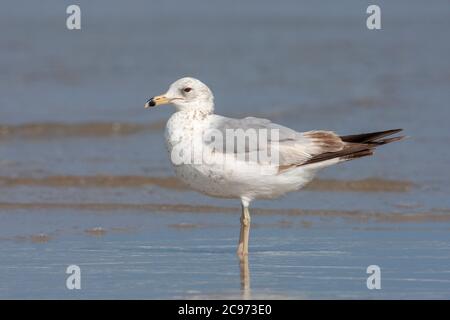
x: 186, y: 94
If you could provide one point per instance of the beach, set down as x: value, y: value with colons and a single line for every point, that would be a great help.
x: 85, y: 178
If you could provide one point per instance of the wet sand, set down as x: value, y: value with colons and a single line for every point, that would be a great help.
x: 436, y: 215
x: 100, y: 181
x: 37, y: 131
x: 175, y: 252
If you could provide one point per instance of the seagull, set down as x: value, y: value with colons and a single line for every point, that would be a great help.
x: 265, y: 166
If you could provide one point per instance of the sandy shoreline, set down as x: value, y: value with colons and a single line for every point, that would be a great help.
x: 109, y: 181
x: 435, y: 215
x: 44, y: 130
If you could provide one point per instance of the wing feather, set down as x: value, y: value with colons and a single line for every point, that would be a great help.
x: 299, y: 148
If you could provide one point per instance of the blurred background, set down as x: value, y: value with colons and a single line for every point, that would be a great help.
x: 85, y: 178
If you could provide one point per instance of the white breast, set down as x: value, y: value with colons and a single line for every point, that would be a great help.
x: 184, y: 134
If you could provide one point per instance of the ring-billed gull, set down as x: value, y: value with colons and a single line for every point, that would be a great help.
x: 271, y: 161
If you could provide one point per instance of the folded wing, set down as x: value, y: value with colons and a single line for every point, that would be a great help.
x: 297, y: 148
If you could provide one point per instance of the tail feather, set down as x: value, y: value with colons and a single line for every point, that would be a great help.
x: 357, y: 146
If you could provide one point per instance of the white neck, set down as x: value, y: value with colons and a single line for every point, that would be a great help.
x: 204, y: 107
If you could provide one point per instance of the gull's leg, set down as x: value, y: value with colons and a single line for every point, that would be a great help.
x: 245, y: 277
x: 245, y: 230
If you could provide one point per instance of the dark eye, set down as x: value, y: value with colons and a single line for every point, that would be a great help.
x: 187, y: 89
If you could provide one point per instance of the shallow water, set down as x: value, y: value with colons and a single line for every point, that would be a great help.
x: 85, y: 179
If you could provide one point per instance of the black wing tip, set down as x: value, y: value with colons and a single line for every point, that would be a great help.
x: 370, y: 137
x: 359, y: 154
x: 389, y: 140
x: 395, y: 130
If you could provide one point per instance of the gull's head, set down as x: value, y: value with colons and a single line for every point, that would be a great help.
x: 186, y: 94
